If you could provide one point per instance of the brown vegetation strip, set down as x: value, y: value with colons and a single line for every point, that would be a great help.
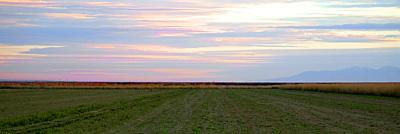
x: 131, y: 85
x: 384, y: 89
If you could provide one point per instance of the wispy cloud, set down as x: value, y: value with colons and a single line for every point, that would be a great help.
x: 248, y: 48
x: 154, y: 74
x: 223, y: 58
x: 12, y: 53
x: 104, y: 4
x: 77, y: 16
x: 363, y: 26
x: 16, y: 23
x: 181, y: 36
x: 182, y: 72
x: 61, y: 4
x: 25, y: 3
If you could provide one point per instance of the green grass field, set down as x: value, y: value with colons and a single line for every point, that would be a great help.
x: 195, y: 111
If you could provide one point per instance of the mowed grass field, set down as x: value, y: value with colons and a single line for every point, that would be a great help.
x: 195, y: 111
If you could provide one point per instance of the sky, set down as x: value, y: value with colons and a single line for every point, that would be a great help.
x: 193, y: 40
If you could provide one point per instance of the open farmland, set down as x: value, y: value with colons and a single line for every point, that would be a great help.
x: 230, y: 110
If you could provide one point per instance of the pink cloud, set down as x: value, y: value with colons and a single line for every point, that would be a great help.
x: 104, y: 4
x: 75, y: 16
x: 182, y: 72
x: 26, y: 3
x: 155, y: 74
x: 158, y: 53
x: 53, y: 4
x: 217, y: 59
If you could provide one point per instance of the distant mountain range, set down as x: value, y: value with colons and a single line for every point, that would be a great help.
x: 354, y: 74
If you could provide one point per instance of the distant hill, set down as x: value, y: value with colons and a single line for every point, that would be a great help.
x: 354, y: 74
